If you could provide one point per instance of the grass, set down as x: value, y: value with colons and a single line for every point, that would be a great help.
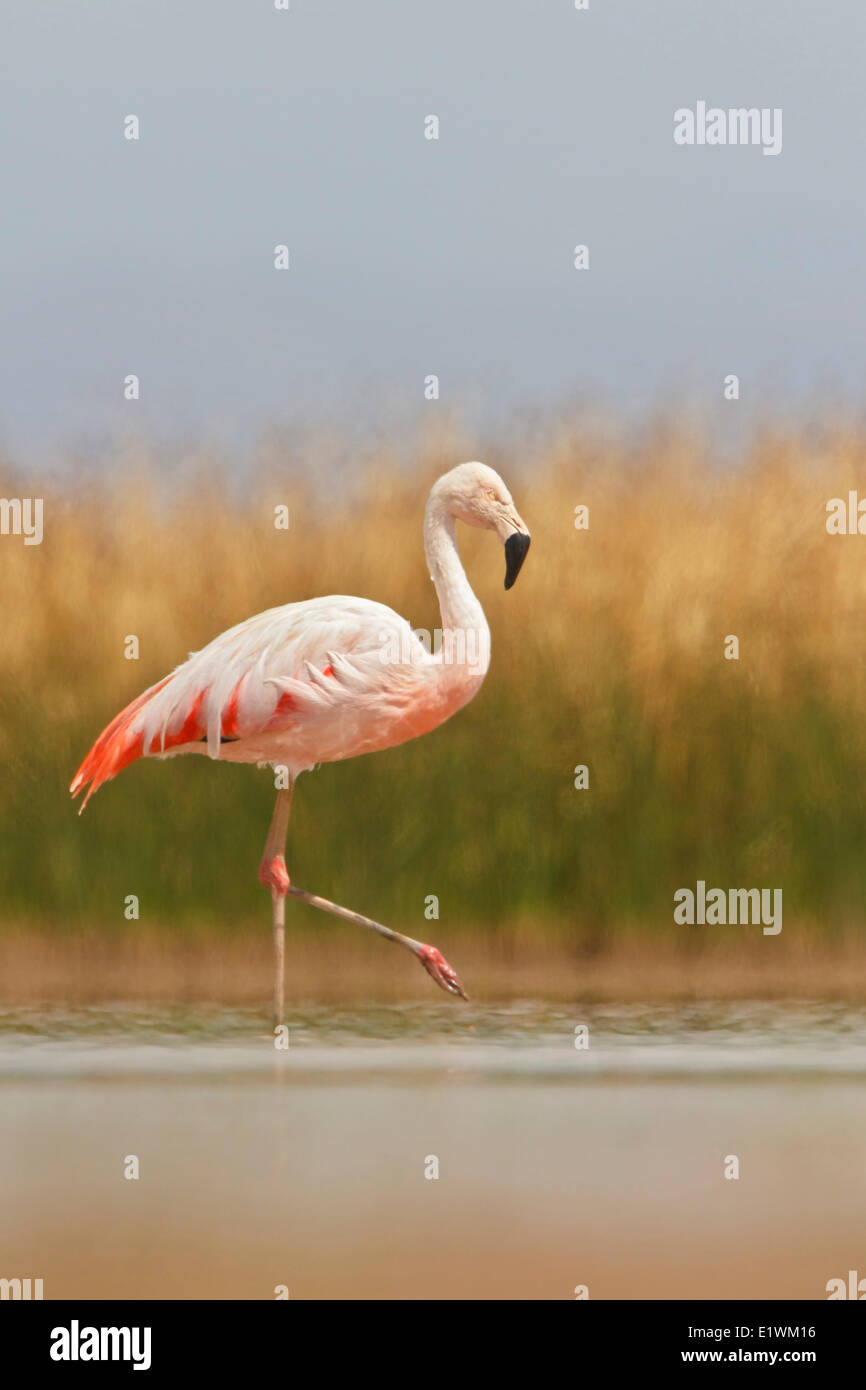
x: 608, y: 652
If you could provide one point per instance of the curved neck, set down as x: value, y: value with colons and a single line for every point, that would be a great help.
x: 459, y: 608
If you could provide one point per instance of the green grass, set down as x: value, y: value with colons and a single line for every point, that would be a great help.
x: 608, y: 653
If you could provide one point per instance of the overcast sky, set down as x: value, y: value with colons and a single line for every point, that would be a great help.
x: 411, y: 256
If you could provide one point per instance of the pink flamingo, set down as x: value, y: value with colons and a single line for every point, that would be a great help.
x: 324, y: 680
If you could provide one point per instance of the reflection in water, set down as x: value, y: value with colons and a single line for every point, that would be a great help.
x: 558, y: 1166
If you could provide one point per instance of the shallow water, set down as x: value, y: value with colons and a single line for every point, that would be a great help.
x: 557, y: 1166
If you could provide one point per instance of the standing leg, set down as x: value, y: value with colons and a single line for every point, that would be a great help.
x: 273, y: 874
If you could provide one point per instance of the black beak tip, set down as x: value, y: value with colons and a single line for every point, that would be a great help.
x: 515, y: 553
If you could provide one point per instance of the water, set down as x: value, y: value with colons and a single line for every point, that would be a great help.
x: 557, y: 1166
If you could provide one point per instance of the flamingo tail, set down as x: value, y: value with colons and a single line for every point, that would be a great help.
x: 117, y: 746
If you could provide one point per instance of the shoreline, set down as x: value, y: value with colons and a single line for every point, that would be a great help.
x: 43, y: 966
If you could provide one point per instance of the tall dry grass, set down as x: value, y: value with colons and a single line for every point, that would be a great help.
x: 608, y: 652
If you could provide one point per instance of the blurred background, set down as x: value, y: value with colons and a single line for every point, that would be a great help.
x: 608, y: 653
x: 412, y: 256
x: 601, y: 388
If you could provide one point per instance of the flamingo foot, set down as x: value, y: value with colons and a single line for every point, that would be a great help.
x: 436, y: 965
x: 273, y: 874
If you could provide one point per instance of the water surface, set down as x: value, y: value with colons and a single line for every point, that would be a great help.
x: 557, y: 1166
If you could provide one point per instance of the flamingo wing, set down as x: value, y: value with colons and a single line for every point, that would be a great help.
x: 305, y: 679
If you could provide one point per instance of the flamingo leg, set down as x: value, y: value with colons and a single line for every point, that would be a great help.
x: 274, y: 875
x: 432, y: 959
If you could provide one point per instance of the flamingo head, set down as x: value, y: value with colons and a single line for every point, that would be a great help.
x: 476, y: 495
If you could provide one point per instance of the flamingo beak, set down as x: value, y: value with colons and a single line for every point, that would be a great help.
x: 515, y: 553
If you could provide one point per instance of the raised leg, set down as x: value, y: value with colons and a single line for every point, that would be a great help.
x: 274, y: 875
x: 430, y: 957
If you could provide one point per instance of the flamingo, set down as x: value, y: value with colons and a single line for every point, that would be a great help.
x: 324, y: 680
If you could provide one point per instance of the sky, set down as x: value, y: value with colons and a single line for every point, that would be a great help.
x: 409, y: 256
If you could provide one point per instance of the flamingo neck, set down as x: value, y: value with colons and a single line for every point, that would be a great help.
x: 460, y: 610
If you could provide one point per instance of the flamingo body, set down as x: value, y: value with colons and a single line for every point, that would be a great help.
x: 298, y: 685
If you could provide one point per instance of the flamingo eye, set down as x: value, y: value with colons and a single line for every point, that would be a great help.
x: 491, y: 493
